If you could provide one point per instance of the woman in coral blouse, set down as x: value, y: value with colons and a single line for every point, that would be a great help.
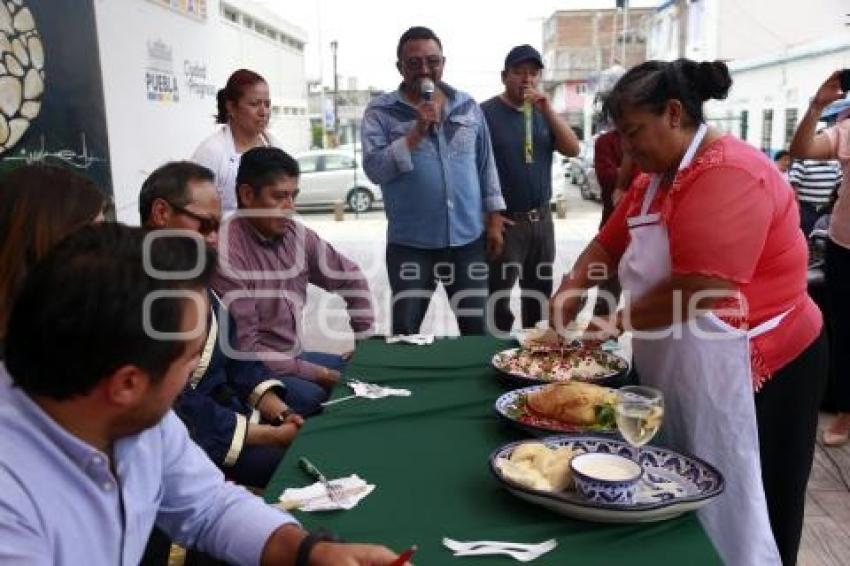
x: 713, y: 267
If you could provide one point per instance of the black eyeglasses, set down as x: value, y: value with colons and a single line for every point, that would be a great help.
x: 206, y: 225
x: 416, y: 63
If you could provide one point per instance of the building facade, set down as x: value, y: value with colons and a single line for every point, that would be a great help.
x: 778, y: 54
x: 580, y: 45
x: 161, y: 75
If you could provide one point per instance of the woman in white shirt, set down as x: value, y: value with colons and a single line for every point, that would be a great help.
x: 244, y: 107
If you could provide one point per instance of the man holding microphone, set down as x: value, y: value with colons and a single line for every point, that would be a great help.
x: 525, y: 130
x: 427, y: 145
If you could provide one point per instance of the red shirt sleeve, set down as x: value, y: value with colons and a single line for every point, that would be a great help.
x: 614, y: 235
x: 607, y: 156
x: 718, y: 225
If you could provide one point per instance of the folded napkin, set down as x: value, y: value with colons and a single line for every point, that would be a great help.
x: 517, y: 550
x: 315, y: 497
x: 415, y: 339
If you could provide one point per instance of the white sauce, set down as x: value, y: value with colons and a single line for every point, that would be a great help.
x: 606, y: 467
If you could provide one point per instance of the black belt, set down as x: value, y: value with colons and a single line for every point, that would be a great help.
x: 533, y: 215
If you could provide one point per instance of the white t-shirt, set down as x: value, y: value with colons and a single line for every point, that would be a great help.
x: 218, y: 153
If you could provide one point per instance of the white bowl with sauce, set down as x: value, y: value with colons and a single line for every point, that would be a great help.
x: 606, y: 478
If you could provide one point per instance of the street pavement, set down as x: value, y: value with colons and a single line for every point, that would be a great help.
x: 363, y: 239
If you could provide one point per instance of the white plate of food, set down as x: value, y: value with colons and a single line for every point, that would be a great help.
x: 563, y: 407
x: 578, y: 361
x: 539, y: 472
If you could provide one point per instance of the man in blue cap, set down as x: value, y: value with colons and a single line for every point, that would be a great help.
x: 525, y: 130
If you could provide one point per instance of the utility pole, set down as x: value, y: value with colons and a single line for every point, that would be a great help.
x: 334, y: 46
x: 625, y: 32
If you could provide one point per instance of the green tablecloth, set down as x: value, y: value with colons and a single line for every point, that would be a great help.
x: 428, y: 456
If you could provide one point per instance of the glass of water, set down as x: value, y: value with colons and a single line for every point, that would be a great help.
x: 639, y: 411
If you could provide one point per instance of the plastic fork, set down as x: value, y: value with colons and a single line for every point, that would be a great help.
x: 335, y: 493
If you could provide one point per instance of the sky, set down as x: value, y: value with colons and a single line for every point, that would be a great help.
x: 476, y: 35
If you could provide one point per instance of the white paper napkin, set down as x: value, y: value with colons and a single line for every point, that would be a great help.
x: 315, y: 497
x: 415, y: 339
x: 368, y: 391
x: 517, y: 550
x: 374, y: 391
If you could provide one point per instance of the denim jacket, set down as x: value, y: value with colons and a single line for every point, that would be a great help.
x: 436, y: 194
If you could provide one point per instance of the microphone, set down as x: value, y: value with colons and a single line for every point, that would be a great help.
x: 426, y: 92
x: 426, y: 89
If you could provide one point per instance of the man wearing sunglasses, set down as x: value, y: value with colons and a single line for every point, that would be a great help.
x: 266, y: 261
x: 428, y: 146
x: 233, y: 406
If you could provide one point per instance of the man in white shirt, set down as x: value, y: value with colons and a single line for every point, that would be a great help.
x: 102, y: 338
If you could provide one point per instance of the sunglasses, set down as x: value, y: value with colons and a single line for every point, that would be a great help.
x: 206, y: 225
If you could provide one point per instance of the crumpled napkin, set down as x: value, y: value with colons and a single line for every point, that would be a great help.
x: 374, y: 391
x: 517, y: 550
x: 315, y: 497
x: 368, y: 391
x: 415, y: 339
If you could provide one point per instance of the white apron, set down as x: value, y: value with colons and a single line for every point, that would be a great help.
x: 709, y: 408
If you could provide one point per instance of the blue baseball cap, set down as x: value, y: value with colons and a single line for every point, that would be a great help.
x: 521, y: 54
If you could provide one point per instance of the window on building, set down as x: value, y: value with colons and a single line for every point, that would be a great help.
x: 230, y: 14
x: 790, y: 123
x: 248, y: 22
x: 581, y: 88
x: 766, y: 129
x: 745, y: 124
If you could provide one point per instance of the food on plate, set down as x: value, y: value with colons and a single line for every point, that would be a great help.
x: 574, y: 402
x: 535, y: 465
x: 575, y: 361
x: 542, y: 339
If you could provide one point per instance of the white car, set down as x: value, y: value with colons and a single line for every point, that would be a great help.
x: 329, y: 175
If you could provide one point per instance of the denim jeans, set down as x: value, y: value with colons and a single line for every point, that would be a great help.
x: 415, y: 272
x: 305, y: 396
x: 527, y: 258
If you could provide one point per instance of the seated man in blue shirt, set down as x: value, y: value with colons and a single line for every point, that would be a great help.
x: 99, y: 344
x: 233, y: 407
x: 431, y: 154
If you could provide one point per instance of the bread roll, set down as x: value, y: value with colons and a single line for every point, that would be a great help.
x: 557, y: 471
x: 524, y: 474
x: 536, y: 453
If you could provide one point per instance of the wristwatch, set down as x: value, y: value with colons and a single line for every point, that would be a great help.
x: 302, y: 557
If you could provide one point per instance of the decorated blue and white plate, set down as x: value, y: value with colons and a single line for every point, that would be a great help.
x: 676, y: 483
x: 513, y: 407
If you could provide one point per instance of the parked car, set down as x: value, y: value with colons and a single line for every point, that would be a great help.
x: 574, y: 167
x: 582, y: 174
x: 329, y: 175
